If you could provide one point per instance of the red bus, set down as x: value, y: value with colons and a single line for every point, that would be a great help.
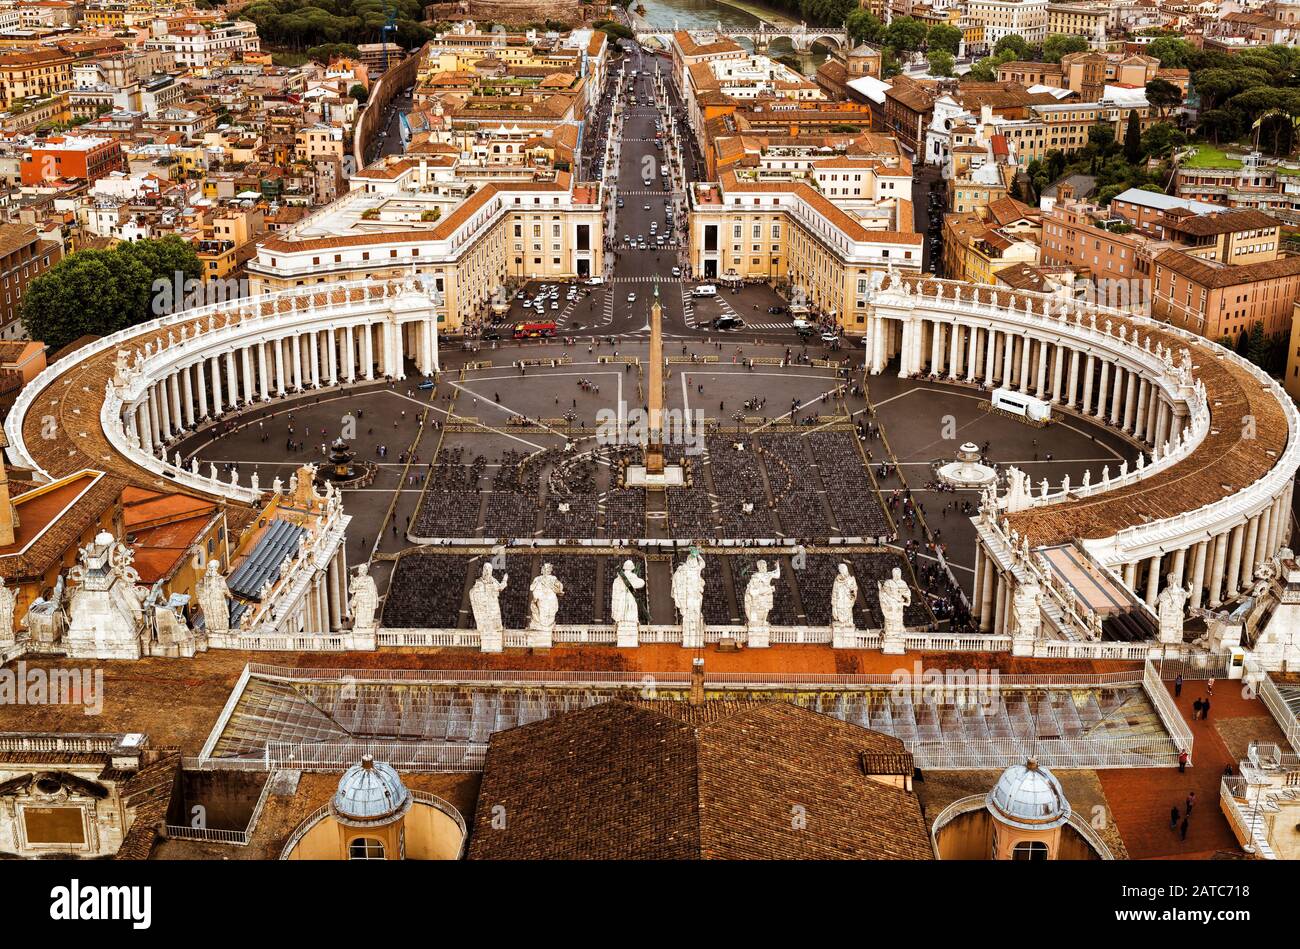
x: 533, y: 330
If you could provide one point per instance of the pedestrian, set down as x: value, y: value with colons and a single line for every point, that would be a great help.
x: 1209, y: 686
x: 1205, y: 709
x: 1178, y: 685
x: 1191, y: 800
x: 1182, y: 831
x: 1196, y: 710
x: 1174, y: 814
x: 1182, y: 761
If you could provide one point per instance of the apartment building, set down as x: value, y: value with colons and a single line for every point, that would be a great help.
x: 63, y: 157
x: 24, y: 256
x: 1078, y: 19
x: 420, y: 215
x: 33, y: 75
x: 788, y: 232
x: 1221, y: 300
x: 999, y: 18
x: 201, y: 45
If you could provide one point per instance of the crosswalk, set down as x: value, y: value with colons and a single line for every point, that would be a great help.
x: 644, y: 279
x: 607, y: 311
x: 688, y: 308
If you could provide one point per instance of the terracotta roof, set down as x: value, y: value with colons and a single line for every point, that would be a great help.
x: 667, y: 780
x: 1211, y: 277
x: 1222, y: 222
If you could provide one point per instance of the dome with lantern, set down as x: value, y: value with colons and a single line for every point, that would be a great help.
x: 370, y: 793
x: 1029, y: 796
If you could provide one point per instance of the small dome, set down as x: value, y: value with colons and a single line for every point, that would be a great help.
x: 370, y: 792
x: 1029, y: 796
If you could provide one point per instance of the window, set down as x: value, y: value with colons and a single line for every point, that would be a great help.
x: 1029, y: 850
x: 368, y: 848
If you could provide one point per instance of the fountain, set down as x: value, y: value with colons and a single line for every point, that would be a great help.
x: 966, y: 471
x: 343, y: 470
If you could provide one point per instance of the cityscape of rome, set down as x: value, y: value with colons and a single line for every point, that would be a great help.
x: 674, y: 430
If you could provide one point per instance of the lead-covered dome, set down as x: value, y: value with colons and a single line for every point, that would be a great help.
x: 370, y: 792
x: 1028, y: 795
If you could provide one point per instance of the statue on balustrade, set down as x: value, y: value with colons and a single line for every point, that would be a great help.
x: 1027, y: 614
x: 214, y: 599
x: 624, y: 609
x: 485, y: 602
x: 688, y: 596
x: 1169, y: 607
x: 759, y: 596
x: 544, y: 593
x: 364, y: 601
x: 844, y: 593
x: 895, y: 596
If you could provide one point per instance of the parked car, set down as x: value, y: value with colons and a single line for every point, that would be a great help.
x: 728, y: 323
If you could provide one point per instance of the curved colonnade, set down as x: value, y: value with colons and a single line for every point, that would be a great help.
x: 1206, y: 500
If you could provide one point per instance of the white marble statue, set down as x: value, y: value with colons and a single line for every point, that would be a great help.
x: 844, y: 593
x: 1026, y: 609
x: 688, y: 596
x: 364, y: 601
x: 7, y: 634
x: 1169, y: 607
x: 544, y: 604
x: 759, y: 596
x: 485, y: 602
x: 895, y: 595
x: 623, y: 608
x: 213, y: 596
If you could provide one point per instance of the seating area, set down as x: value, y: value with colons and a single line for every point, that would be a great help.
x: 579, y: 576
x: 425, y: 591
x: 625, y: 513
x: 855, y: 507
x: 446, y: 514
x: 573, y: 516
x: 507, y: 514
x: 690, y: 513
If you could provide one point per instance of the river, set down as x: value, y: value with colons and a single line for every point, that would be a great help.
x: 707, y: 14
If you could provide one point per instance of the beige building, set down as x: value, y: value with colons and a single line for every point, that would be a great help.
x: 792, y: 233
x: 419, y: 216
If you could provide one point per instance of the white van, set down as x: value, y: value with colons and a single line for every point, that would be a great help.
x: 1017, y: 403
x: 705, y: 290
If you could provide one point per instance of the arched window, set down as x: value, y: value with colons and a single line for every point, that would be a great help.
x: 366, y: 848
x: 1029, y: 850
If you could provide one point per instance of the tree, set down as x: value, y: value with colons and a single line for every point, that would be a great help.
x: 906, y: 33
x: 944, y: 36
x: 1101, y: 138
x: 94, y: 292
x: 1163, y: 95
x: 1133, y: 138
x: 1258, y: 348
x: 1058, y: 45
x: 889, y: 65
x: 1173, y: 52
x: 864, y: 27
x: 1013, y: 43
x: 983, y: 70
x: 941, y: 62
x: 1161, y: 139
x: 359, y: 93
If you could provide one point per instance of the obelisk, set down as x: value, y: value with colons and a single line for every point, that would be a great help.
x: 654, y: 449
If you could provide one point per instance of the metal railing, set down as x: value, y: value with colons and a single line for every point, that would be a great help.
x: 444, y: 757
x: 1170, y: 717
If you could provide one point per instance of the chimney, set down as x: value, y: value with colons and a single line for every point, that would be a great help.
x: 697, y: 682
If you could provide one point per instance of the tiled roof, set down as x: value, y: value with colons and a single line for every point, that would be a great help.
x: 667, y: 780
x: 1212, y: 277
